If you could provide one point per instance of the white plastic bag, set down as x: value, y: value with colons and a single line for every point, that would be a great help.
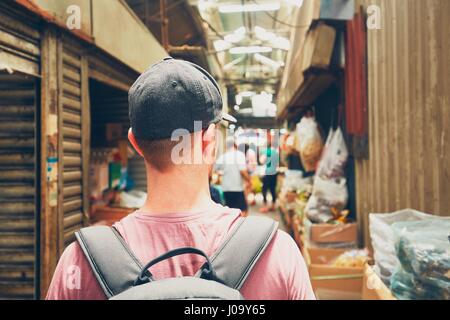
x: 309, y: 143
x: 383, y: 238
x: 327, y: 194
x: 294, y: 181
x: 423, y: 249
x: 334, y: 156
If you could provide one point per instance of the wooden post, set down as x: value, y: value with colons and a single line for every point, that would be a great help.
x: 60, y: 214
x: 49, y: 247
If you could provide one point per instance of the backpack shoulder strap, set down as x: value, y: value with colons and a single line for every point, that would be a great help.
x: 237, y: 256
x: 112, y: 261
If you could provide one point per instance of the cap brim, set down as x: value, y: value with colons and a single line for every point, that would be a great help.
x: 229, y: 118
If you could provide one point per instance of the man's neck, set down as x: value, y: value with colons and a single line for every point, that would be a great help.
x: 184, y: 189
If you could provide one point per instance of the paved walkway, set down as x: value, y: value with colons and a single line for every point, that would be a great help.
x: 254, y: 211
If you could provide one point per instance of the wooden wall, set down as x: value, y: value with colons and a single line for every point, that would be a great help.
x: 409, y: 111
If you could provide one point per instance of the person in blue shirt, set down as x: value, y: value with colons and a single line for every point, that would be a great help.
x: 271, y: 159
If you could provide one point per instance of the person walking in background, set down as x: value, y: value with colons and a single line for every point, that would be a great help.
x: 271, y: 160
x: 252, y: 164
x: 235, y: 176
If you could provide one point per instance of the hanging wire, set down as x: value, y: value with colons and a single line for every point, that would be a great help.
x: 212, y: 28
x: 280, y: 21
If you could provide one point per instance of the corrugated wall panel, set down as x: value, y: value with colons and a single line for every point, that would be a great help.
x: 17, y: 186
x: 19, y: 40
x: 409, y: 111
x: 71, y: 184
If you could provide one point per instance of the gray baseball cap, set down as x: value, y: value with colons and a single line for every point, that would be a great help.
x: 174, y: 94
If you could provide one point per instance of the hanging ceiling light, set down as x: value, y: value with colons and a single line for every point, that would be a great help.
x: 281, y: 43
x: 221, y: 45
x: 276, y: 41
x: 267, y: 61
x: 250, y: 49
x: 297, y: 3
x: 249, y: 7
x: 238, y: 99
x: 263, y: 34
x: 231, y: 64
x: 237, y: 36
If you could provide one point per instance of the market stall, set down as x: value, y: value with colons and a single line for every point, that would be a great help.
x: 117, y: 173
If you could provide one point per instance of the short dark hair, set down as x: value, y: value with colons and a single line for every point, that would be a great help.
x: 157, y: 152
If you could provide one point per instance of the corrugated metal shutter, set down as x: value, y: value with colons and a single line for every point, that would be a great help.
x: 19, y: 40
x: 71, y: 196
x: 17, y: 186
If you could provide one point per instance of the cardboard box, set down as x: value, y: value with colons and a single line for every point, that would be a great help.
x: 104, y: 215
x: 333, y: 233
x: 373, y: 287
x: 330, y: 282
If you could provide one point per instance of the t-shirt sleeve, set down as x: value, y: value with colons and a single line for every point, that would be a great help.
x: 298, y: 281
x: 73, y: 278
x: 280, y: 274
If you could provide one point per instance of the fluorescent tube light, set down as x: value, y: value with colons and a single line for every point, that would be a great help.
x: 250, y: 49
x: 267, y: 61
x: 263, y: 34
x: 297, y: 3
x: 221, y: 45
x: 281, y: 43
x: 249, y: 7
x: 276, y: 41
x: 238, y: 99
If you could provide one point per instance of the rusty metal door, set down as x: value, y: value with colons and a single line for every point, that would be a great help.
x: 18, y: 186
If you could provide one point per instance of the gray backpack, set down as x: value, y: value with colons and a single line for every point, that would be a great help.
x: 122, y: 277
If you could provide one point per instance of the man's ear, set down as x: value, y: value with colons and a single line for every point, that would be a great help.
x: 134, y: 143
x: 209, y: 144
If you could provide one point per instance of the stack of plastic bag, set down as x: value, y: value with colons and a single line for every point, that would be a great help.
x: 423, y: 249
x: 309, y: 143
x: 383, y: 238
x: 330, y: 194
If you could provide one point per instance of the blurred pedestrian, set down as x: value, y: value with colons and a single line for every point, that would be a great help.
x: 235, y: 178
x: 271, y: 160
x: 252, y: 165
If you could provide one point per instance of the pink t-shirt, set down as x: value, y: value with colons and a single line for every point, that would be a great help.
x: 280, y: 274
